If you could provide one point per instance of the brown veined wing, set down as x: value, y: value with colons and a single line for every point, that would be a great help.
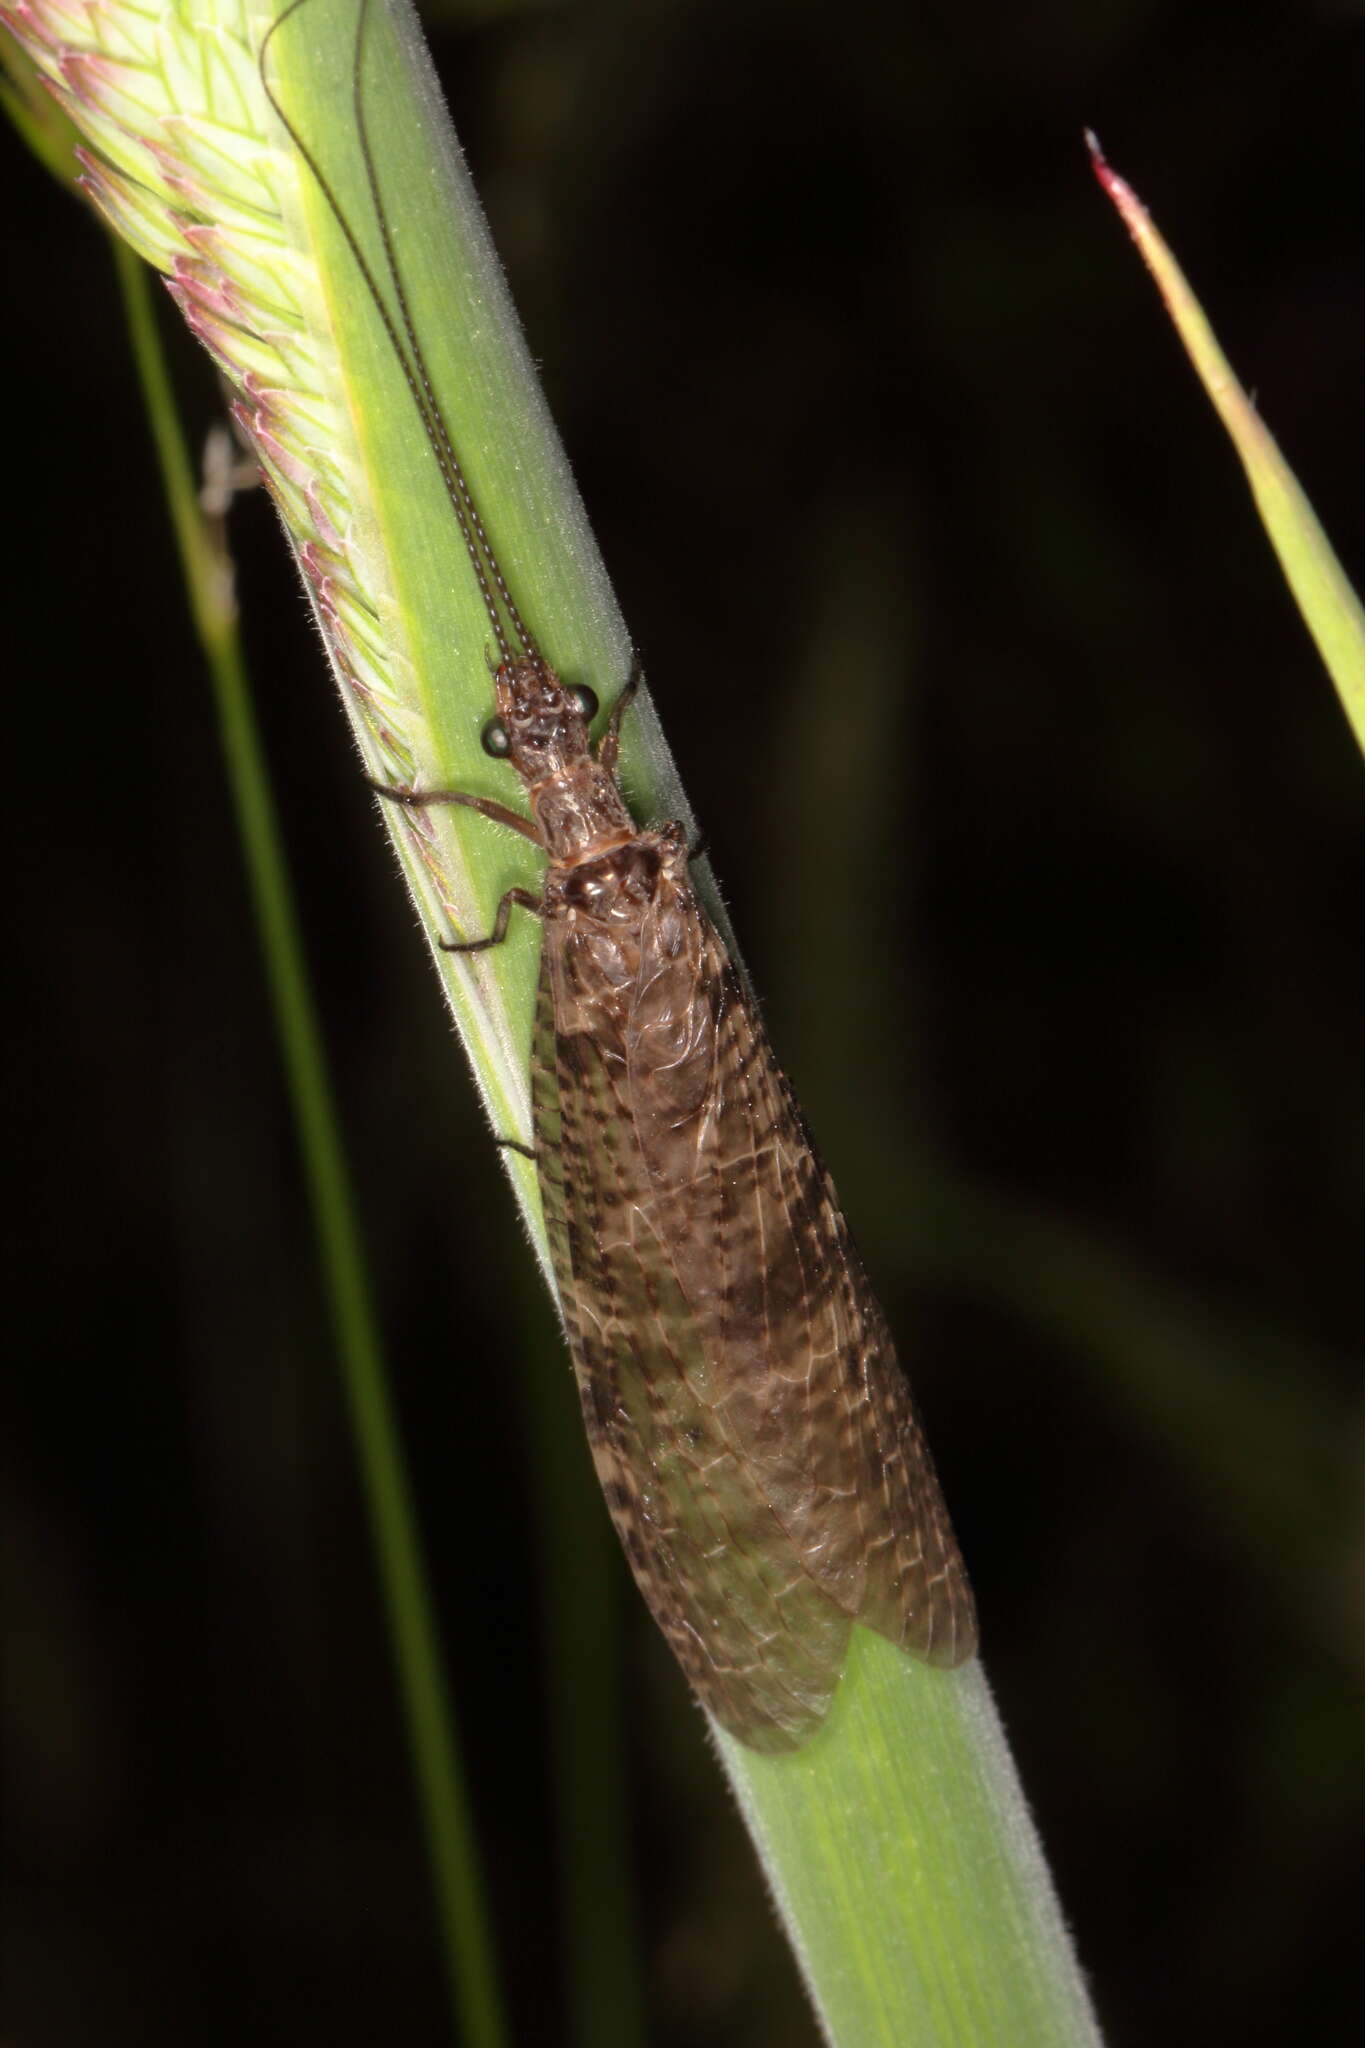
x: 751, y: 1427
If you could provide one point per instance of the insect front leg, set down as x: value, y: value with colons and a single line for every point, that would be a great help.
x: 499, y: 931
x: 609, y: 745
x: 486, y: 806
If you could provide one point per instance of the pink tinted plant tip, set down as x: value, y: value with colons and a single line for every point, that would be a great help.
x: 132, y: 211
x: 283, y: 464
x: 1134, y: 214
x: 252, y: 408
x: 175, y: 177
x: 327, y: 533
x: 207, y: 288
x: 217, y: 336
x: 28, y: 26
x: 94, y: 82
x: 320, y: 581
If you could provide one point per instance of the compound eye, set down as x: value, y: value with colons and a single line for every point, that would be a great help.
x: 493, y: 739
x: 584, y: 702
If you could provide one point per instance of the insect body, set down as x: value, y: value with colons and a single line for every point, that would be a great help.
x: 750, y: 1425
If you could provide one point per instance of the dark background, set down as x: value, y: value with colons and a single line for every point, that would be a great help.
x: 1045, y: 837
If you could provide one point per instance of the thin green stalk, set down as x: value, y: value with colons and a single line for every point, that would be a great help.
x: 428, y: 1711
x: 604, y: 1988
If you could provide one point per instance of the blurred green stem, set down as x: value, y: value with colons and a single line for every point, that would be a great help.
x: 589, y: 1737
x: 466, y: 1941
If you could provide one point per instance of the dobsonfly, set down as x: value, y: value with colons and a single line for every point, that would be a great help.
x: 750, y: 1424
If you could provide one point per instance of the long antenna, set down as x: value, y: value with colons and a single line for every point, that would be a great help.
x: 406, y: 347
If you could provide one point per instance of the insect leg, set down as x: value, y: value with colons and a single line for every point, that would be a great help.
x: 499, y: 931
x: 227, y: 471
x: 610, y: 744
x: 419, y: 799
x: 515, y: 1145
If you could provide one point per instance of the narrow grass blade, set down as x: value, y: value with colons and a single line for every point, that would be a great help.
x: 1330, y: 607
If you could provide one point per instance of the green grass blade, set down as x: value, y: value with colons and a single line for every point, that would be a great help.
x: 1330, y: 607
x: 906, y: 1865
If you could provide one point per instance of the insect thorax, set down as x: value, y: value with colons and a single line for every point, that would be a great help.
x: 581, y: 814
x: 615, y: 888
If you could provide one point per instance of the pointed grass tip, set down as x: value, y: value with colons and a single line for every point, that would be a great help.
x: 1131, y: 209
